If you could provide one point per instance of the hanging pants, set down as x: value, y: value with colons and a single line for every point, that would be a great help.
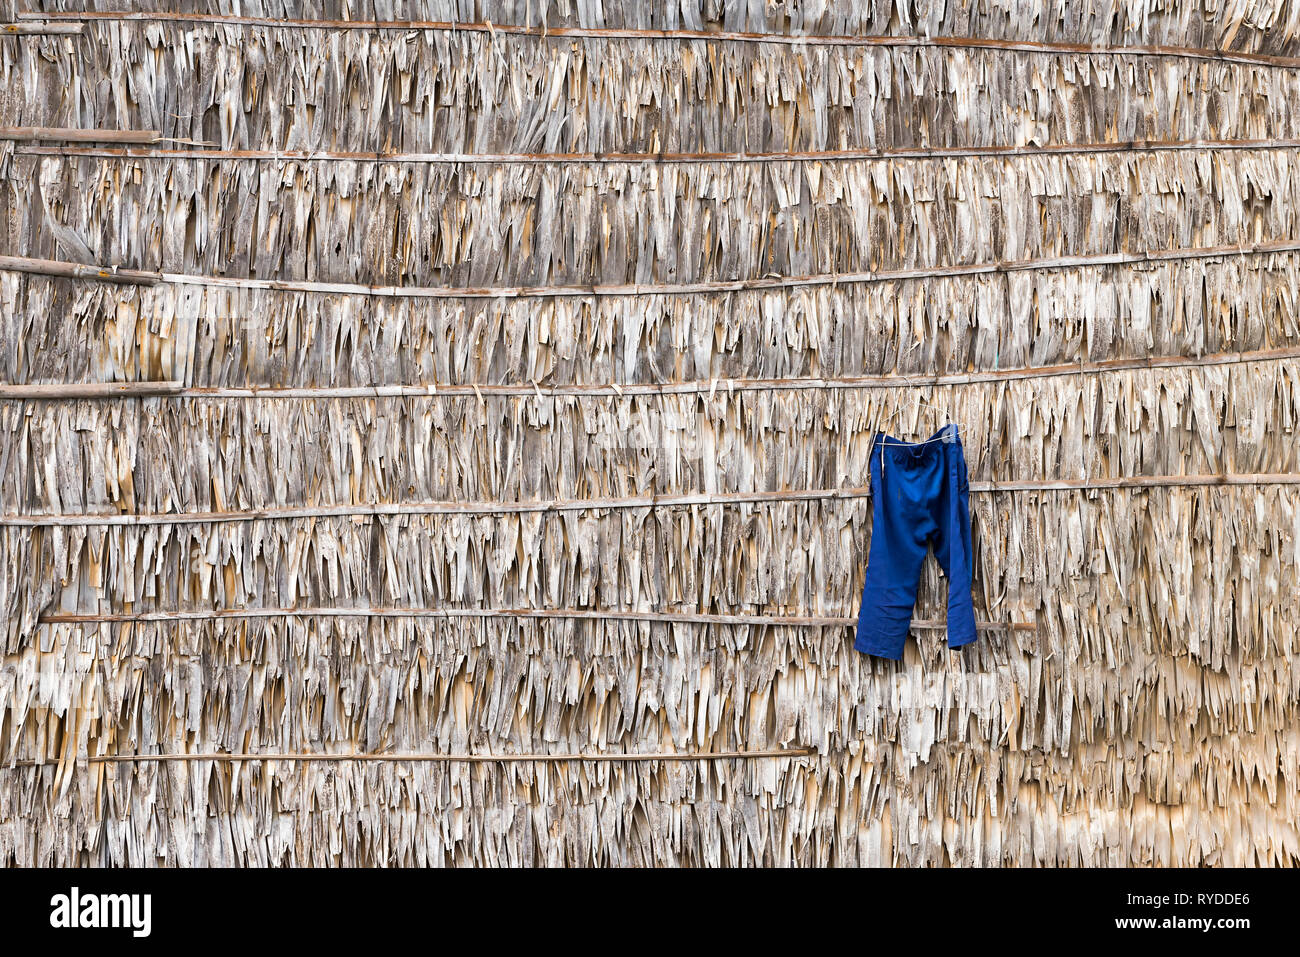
x: 919, y: 493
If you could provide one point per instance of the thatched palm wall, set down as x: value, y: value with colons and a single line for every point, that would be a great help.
x: 1143, y: 712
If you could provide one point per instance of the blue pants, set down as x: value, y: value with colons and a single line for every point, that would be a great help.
x: 919, y: 498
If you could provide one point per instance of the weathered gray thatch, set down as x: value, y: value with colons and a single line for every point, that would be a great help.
x: 1146, y: 710
x: 250, y: 87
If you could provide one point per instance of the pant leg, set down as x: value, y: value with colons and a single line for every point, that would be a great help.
x: 952, y: 545
x: 899, y: 531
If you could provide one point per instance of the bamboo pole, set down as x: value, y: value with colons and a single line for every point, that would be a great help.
x: 34, y: 133
x: 176, y: 389
x: 281, y: 513
x: 89, y: 390
x: 722, y: 36
x: 780, y: 156
x: 711, y: 386
x: 569, y: 614
x: 71, y: 270
x: 737, y: 285
x: 76, y: 270
x: 300, y: 757
x: 40, y: 29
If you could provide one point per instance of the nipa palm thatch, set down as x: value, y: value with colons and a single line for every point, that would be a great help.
x: 513, y: 392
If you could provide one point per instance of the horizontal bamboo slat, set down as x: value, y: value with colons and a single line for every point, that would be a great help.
x: 35, y: 28
x: 786, y: 156
x: 68, y: 135
x: 176, y: 389
x: 135, y: 276
x: 719, y: 36
x: 72, y: 270
x: 741, y: 285
x: 711, y: 386
x: 656, y: 501
x: 88, y: 390
x: 576, y: 614
x: 220, y: 756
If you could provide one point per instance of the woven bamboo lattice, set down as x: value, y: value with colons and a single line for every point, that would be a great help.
x: 382, y: 397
